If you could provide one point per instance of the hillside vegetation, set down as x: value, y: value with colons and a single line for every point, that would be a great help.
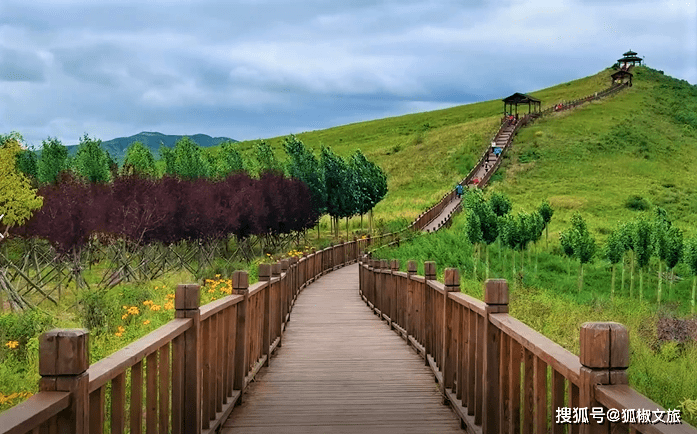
x: 425, y: 154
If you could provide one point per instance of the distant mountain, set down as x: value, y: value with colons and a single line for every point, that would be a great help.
x: 117, y: 147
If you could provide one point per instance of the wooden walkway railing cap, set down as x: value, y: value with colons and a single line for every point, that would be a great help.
x: 496, y: 292
x: 264, y: 272
x: 430, y: 270
x: 383, y: 264
x: 63, y: 352
x: 604, y: 345
x: 293, y: 260
x: 451, y: 278
x: 240, y: 282
x: 187, y: 296
x: 411, y: 267
x: 394, y: 265
x: 276, y: 269
x: 285, y: 264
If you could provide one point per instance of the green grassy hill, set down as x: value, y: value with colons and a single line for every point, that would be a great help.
x: 424, y: 154
x: 639, y: 142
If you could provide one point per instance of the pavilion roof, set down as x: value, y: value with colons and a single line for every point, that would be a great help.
x: 629, y: 59
x: 520, y: 98
x: 629, y: 53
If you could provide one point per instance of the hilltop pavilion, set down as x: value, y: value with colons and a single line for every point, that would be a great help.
x: 520, y: 98
x: 629, y: 58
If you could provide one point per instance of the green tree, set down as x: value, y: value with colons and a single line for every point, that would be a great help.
x: 641, y: 240
x: 659, y: 246
x: 614, y: 252
x: 626, y: 230
x: 335, y: 176
x: 189, y: 161
x: 473, y: 229
x: 139, y: 160
x: 584, y: 245
x: 27, y: 163
x: 566, y: 239
x: 303, y: 165
x: 501, y: 205
x: 265, y: 158
x: 230, y: 159
x: 17, y: 199
x: 53, y: 160
x: 91, y: 161
x: 690, y: 255
x: 511, y: 235
x: 674, y: 250
x: 546, y: 212
x: 170, y: 159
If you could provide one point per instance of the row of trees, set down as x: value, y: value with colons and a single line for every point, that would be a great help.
x: 633, y: 243
x: 339, y: 187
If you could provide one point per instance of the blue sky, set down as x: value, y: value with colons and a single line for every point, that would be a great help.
x: 256, y: 68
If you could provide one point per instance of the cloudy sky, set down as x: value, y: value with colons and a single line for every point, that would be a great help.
x: 260, y: 68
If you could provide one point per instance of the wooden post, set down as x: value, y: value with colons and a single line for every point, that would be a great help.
x: 240, y: 284
x: 496, y: 299
x: 395, y: 297
x: 265, y: 276
x: 451, y: 319
x: 429, y: 274
x: 278, y: 311
x: 285, y: 292
x: 186, y: 302
x: 384, y: 265
x: 605, y: 359
x: 63, y: 363
x: 409, y: 317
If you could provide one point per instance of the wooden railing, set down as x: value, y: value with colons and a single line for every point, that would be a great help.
x: 184, y: 377
x: 497, y: 373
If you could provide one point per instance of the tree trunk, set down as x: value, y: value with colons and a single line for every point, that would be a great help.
x: 537, y: 255
x: 623, y: 267
x: 568, y: 266
x: 631, y: 274
x: 476, y: 259
x: 612, y: 285
x: 670, y: 284
x: 580, y: 276
x: 547, y: 236
x: 660, y: 283
x: 694, y: 286
x: 487, y: 260
x: 641, y: 284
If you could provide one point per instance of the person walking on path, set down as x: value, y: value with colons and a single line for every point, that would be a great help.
x: 458, y: 190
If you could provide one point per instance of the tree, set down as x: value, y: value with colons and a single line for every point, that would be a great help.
x: 626, y: 230
x: 546, y: 212
x: 566, y: 239
x: 500, y: 205
x: 690, y: 254
x: 641, y: 240
x: 53, y: 160
x: 614, y: 252
x: 17, y: 199
x: 304, y: 166
x: 674, y: 250
x: 139, y: 161
x: 377, y: 186
x: 91, y: 161
x: 659, y: 230
x: 584, y: 244
x: 335, y: 179
x: 189, y: 161
x: 169, y: 158
x: 511, y: 235
x: 266, y: 159
x: 230, y: 159
x: 27, y: 163
x: 475, y: 236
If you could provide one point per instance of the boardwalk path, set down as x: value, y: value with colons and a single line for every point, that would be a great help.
x: 342, y: 370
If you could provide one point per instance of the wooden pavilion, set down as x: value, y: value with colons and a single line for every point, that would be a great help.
x: 520, y: 98
x: 622, y: 76
x: 629, y: 58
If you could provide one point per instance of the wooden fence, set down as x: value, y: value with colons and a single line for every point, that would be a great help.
x: 498, y: 374
x: 184, y: 377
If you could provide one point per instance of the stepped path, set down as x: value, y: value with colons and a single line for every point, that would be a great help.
x: 342, y: 370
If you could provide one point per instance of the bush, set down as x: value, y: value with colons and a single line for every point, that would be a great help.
x: 23, y: 326
x: 96, y: 309
x: 637, y: 203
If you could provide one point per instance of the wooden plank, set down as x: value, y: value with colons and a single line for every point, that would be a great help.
x: 118, y: 404
x: 504, y: 386
x: 514, y: 385
x: 163, y: 392
x: 137, y: 398
x: 528, y: 392
x: 206, y: 375
x: 574, y: 400
x: 178, y: 347
x: 541, y: 410
x: 557, y: 399
x: 97, y: 410
x: 151, y: 394
x: 212, y: 308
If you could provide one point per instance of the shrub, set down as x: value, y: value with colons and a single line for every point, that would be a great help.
x: 637, y: 203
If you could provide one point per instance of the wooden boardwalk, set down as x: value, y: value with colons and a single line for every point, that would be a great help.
x: 342, y: 370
